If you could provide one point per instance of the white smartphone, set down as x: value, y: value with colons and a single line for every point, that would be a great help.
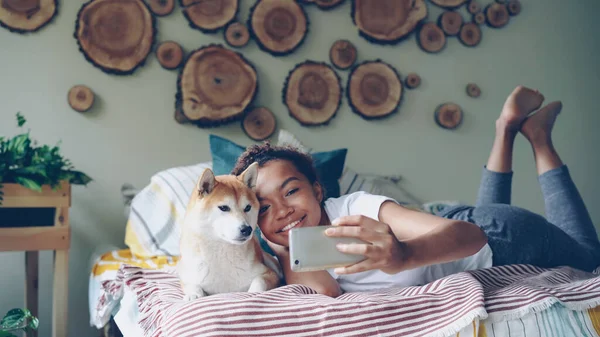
x: 311, y: 249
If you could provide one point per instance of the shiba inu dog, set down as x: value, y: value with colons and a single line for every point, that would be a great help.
x: 219, y: 252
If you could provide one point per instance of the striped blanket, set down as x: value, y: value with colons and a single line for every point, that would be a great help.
x: 470, y: 302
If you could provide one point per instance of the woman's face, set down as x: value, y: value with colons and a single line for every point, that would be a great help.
x: 287, y: 200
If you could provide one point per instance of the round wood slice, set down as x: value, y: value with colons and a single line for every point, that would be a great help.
x: 473, y: 90
x: 470, y: 34
x: 431, y: 38
x: 237, y: 35
x: 374, y: 90
x: 479, y: 18
x: 449, y: 3
x: 327, y: 4
x: 209, y: 16
x: 343, y: 54
x: 496, y: 15
x: 279, y: 26
x: 474, y: 7
x: 80, y: 98
x: 215, y: 86
x: 514, y: 7
x: 448, y: 116
x: 259, y: 124
x: 450, y: 22
x: 23, y: 16
x: 180, y: 117
x: 412, y: 81
x: 312, y: 93
x: 169, y: 55
x: 161, y: 7
x: 115, y: 36
x: 387, y: 21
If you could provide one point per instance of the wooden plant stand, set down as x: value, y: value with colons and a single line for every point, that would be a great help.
x: 22, y: 230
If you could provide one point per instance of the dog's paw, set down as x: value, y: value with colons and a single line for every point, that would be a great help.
x: 193, y: 294
x: 191, y: 297
x: 258, y: 285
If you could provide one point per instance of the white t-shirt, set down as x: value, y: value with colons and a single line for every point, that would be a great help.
x: 368, y: 205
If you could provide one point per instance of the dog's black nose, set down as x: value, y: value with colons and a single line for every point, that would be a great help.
x: 246, y: 230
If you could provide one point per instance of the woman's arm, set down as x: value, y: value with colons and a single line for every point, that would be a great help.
x: 320, y: 281
x: 430, y: 239
x: 405, y: 239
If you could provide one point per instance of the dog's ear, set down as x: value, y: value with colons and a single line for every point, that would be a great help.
x: 248, y: 177
x: 206, y: 182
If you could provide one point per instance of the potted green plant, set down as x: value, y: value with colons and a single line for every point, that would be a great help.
x: 17, y: 319
x: 25, y: 163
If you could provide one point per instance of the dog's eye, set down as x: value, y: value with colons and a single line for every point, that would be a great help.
x: 247, y: 209
x: 224, y: 208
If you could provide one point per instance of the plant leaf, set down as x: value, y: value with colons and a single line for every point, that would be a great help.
x: 29, y: 183
x: 14, y: 319
x: 79, y: 178
x: 20, y: 119
x: 34, y: 322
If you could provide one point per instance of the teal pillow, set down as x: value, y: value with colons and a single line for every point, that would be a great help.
x: 329, y: 164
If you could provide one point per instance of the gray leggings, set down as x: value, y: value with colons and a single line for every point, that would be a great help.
x: 566, y: 237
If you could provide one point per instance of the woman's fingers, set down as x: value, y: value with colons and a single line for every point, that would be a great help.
x: 361, y: 221
x: 355, y: 268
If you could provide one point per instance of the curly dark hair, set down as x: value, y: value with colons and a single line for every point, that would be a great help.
x: 266, y: 152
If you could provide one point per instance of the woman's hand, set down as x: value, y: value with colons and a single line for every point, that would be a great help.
x: 277, y: 249
x: 382, y: 249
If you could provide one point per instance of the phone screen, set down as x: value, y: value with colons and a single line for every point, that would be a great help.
x: 311, y: 249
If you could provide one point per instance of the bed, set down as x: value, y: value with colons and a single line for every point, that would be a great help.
x: 517, y: 300
x: 137, y: 289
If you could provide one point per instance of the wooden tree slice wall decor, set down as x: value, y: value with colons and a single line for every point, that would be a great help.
x: 450, y: 22
x: 479, y: 18
x: 514, y: 7
x: 115, y: 36
x: 431, y: 38
x: 80, y: 98
x: 496, y: 15
x: 343, y: 54
x: 387, y: 21
x: 215, y: 86
x: 312, y: 93
x: 470, y: 34
x: 448, y: 116
x: 169, y: 55
x: 259, y: 124
x: 473, y: 90
x: 324, y: 4
x: 450, y: 4
x: 237, y: 35
x: 179, y: 116
x: 279, y: 26
x: 25, y: 16
x: 374, y: 90
x: 412, y: 81
x: 474, y: 7
x: 161, y: 7
x: 328, y: 4
x: 209, y: 16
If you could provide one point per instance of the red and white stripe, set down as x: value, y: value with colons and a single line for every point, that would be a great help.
x: 440, y: 308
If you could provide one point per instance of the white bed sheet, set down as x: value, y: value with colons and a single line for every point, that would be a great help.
x: 127, y: 315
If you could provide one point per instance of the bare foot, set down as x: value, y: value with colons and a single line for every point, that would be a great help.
x: 519, y: 104
x: 538, y: 127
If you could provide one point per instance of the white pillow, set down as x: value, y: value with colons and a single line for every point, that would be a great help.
x: 157, y: 211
